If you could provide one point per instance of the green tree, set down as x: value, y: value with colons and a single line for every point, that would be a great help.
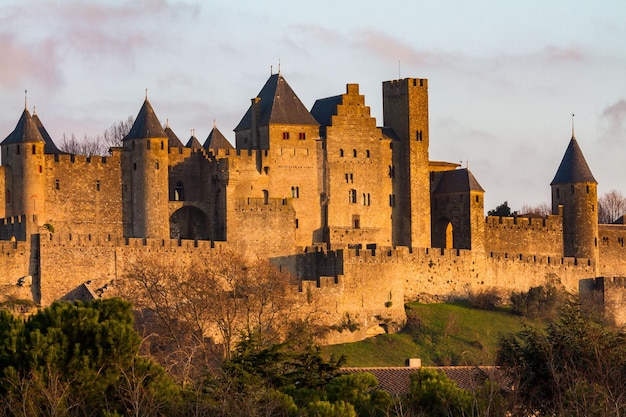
x: 72, y: 358
x: 577, y: 366
x: 502, y: 210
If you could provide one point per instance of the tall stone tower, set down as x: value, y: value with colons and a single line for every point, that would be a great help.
x: 145, y: 186
x: 574, y: 190
x: 23, y: 155
x: 405, y: 110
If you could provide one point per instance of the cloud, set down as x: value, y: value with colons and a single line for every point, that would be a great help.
x: 24, y: 64
x: 613, y: 121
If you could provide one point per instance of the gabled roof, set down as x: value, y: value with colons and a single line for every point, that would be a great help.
x: 278, y: 105
x: 146, y: 124
x: 25, y: 131
x: 457, y: 181
x: 193, y: 143
x: 573, y: 168
x: 216, y: 140
x: 172, y: 139
x: 49, y: 147
x: 397, y: 380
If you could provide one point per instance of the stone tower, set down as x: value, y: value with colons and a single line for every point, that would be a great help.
x: 574, y: 191
x: 23, y: 155
x: 145, y: 186
x: 405, y: 110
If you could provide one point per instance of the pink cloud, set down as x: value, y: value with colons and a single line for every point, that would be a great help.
x: 24, y: 63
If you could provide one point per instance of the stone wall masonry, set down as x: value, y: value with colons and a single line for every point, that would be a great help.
x: 612, y: 251
x: 14, y: 264
x: 84, y: 194
x: 18, y: 227
x: 524, y: 235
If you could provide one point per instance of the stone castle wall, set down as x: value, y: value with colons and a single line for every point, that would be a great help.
x: 612, y: 251
x: 84, y: 194
x: 524, y: 235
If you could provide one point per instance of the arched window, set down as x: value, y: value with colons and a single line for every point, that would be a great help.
x: 354, y: 153
x: 449, y: 236
x: 340, y: 152
x: 367, y: 153
x: 179, y: 191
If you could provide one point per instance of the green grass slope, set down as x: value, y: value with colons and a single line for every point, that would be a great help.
x: 439, y: 334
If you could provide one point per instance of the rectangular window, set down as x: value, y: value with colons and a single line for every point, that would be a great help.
x: 98, y: 185
x: 301, y: 135
x: 352, y: 196
x: 148, y: 144
x: 56, y: 184
x: 285, y: 135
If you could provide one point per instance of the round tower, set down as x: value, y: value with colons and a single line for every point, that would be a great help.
x: 146, y: 181
x: 574, y: 195
x: 23, y: 155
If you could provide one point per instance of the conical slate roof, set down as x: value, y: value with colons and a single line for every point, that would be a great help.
x: 216, y: 140
x: 457, y: 181
x: 193, y: 143
x: 146, y: 124
x: 279, y: 105
x: 25, y: 131
x: 49, y: 147
x: 573, y: 168
x: 173, y: 141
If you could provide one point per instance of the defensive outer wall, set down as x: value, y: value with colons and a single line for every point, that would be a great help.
x: 367, y: 286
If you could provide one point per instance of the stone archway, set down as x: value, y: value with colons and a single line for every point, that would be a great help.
x: 189, y: 222
x: 443, y: 234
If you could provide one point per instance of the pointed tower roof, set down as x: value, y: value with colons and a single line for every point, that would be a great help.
x: 279, y: 105
x: 146, y: 124
x: 25, y: 131
x: 172, y: 139
x: 573, y: 168
x: 457, y: 181
x: 49, y: 147
x: 216, y: 140
x: 193, y: 143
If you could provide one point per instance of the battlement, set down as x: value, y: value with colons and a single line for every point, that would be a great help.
x: 531, y: 223
x: 73, y: 160
x: 18, y: 227
x: 261, y: 204
x: 320, y: 284
x: 411, y: 82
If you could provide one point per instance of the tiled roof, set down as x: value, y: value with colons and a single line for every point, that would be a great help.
x: 573, y: 168
x: 49, y: 147
x: 397, y: 380
x: 172, y: 139
x: 278, y: 105
x: 216, y: 140
x: 193, y: 143
x: 25, y: 131
x: 146, y: 124
x: 456, y: 181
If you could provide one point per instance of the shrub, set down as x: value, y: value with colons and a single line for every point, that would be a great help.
x: 485, y: 300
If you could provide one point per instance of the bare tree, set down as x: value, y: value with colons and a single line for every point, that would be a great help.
x: 542, y: 209
x: 184, y: 308
x: 99, y: 145
x: 611, y: 206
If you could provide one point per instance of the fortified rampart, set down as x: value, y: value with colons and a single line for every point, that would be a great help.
x: 524, y: 235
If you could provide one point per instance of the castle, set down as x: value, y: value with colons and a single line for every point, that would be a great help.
x: 358, y: 212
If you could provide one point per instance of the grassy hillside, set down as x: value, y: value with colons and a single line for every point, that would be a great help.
x: 439, y: 334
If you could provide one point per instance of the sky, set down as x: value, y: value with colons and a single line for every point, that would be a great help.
x: 504, y: 77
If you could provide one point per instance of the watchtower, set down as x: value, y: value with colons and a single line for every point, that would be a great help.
x: 145, y: 179
x: 574, y: 190
x: 405, y: 110
x: 23, y: 157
